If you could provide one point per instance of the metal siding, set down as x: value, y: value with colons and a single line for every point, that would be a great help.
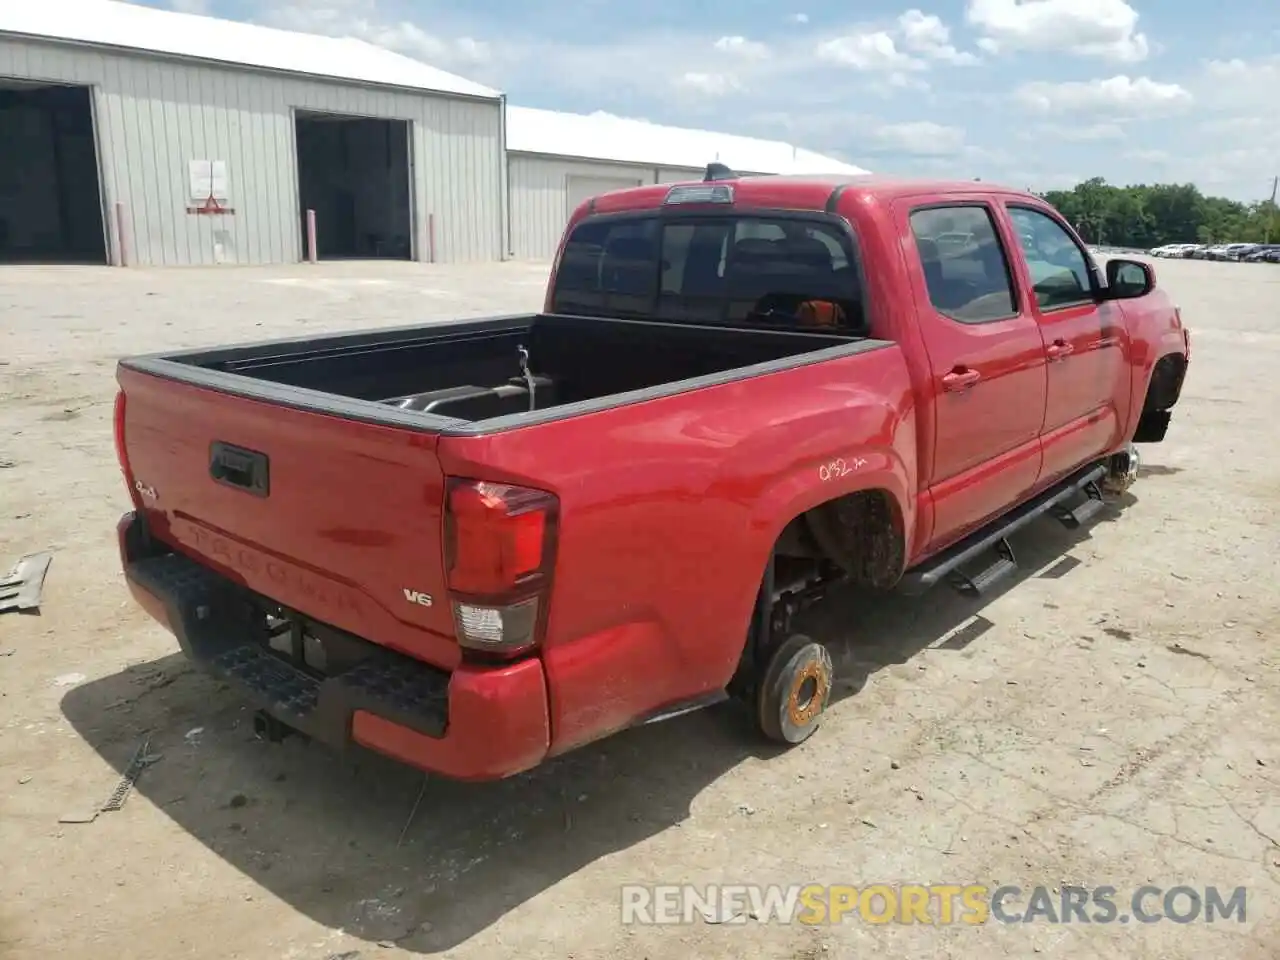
x: 154, y: 115
x: 539, y: 198
x: 676, y: 174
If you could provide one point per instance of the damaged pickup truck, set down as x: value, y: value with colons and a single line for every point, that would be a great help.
x: 475, y: 545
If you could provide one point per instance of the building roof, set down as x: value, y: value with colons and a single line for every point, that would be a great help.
x: 127, y: 26
x: 602, y: 136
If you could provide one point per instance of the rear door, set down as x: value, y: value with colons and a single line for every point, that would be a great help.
x: 1086, y: 343
x: 986, y: 364
x: 337, y: 520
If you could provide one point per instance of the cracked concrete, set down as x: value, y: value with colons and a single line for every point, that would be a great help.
x: 1110, y: 718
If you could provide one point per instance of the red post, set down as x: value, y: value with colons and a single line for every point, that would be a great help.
x: 431, y: 238
x: 312, y: 255
x: 122, y: 247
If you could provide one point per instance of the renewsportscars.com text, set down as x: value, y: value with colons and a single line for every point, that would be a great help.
x: 932, y: 904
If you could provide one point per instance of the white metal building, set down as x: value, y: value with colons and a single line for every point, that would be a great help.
x: 557, y: 160
x: 170, y: 139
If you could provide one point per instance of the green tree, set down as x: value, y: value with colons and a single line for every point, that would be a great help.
x: 1148, y: 215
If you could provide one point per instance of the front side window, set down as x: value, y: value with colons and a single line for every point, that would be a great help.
x: 752, y: 269
x: 965, y: 268
x: 1060, y: 272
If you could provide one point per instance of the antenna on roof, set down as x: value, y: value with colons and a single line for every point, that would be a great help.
x: 718, y: 171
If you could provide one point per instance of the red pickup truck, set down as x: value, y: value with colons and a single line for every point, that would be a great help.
x: 475, y: 545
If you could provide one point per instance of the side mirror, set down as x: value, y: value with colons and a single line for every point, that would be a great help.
x: 1127, y: 279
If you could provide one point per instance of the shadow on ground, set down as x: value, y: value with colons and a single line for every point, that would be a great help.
x: 327, y: 834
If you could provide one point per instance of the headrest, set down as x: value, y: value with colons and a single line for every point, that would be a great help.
x: 756, y: 249
x: 630, y: 248
x: 811, y: 250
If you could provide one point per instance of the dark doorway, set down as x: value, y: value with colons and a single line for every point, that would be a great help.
x: 50, y: 197
x: 354, y: 173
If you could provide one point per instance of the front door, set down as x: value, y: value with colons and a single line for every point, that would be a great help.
x: 987, y: 368
x: 1086, y: 345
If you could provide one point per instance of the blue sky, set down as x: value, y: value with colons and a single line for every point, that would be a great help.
x: 1038, y: 93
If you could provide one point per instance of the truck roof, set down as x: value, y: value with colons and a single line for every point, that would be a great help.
x: 803, y: 192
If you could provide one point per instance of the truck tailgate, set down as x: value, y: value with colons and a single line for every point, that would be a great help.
x: 338, y: 520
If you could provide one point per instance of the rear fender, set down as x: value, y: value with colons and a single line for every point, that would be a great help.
x: 812, y: 483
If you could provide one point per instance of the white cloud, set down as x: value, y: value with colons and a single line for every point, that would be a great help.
x: 1148, y: 156
x: 1242, y: 139
x: 361, y: 19
x: 1241, y: 85
x: 799, y: 18
x: 742, y: 47
x: 712, y: 84
x: 191, y: 6
x: 922, y: 138
x: 1072, y: 133
x: 928, y: 36
x: 1116, y: 96
x: 1091, y: 28
x: 898, y: 51
x: 871, y: 51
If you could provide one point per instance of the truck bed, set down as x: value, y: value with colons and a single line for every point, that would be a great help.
x: 475, y: 376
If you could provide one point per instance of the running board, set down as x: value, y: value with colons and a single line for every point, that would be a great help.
x: 978, y: 584
x: 927, y: 575
x: 1077, y: 516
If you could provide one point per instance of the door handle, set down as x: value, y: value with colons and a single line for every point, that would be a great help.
x: 234, y: 466
x: 961, y: 379
x: 1058, y: 349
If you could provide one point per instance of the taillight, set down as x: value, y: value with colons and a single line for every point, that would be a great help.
x: 499, y: 553
x: 122, y: 457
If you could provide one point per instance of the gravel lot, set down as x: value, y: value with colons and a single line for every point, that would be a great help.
x: 1110, y: 718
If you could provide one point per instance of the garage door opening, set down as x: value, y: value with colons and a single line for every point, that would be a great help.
x: 354, y: 173
x: 50, y: 197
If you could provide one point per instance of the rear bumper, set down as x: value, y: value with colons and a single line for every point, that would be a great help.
x: 473, y: 724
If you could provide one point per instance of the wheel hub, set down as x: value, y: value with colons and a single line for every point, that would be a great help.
x: 1122, y: 470
x: 808, y: 694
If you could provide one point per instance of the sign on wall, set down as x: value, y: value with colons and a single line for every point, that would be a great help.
x: 208, y: 189
x: 208, y: 179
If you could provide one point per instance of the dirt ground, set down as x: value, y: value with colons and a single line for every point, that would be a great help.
x: 1111, y: 717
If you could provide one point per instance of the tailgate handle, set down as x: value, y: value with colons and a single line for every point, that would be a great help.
x: 237, y: 467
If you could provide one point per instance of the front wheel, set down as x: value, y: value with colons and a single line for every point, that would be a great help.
x: 794, y: 691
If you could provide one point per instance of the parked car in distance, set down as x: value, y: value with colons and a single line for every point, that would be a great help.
x: 474, y: 545
x: 1236, y: 251
x: 1172, y: 250
x: 1262, y: 253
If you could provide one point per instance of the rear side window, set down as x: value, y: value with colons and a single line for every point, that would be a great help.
x: 1059, y: 269
x: 756, y: 270
x: 964, y: 263
x: 608, y: 267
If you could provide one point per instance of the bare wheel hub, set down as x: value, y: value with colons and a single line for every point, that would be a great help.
x: 1122, y: 470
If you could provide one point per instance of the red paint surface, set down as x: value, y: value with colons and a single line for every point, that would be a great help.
x: 497, y: 726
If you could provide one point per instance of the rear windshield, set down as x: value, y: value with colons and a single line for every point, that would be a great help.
x: 742, y: 270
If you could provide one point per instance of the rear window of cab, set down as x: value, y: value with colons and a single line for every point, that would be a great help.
x: 758, y: 270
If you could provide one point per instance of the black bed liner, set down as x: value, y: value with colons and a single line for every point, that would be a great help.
x: 289, y: 372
